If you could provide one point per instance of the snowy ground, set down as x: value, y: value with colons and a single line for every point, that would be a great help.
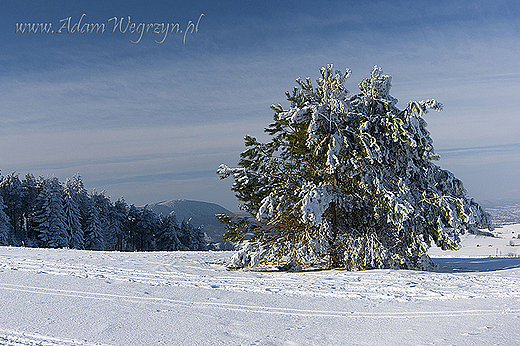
x: 69, y: 297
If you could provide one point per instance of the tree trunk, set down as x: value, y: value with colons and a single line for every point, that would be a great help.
x: 335, y: 260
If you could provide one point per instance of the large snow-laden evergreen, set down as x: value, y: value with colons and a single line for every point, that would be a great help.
x: 347, y: 181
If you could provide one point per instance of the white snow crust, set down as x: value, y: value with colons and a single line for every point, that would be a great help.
x: 72, y: 297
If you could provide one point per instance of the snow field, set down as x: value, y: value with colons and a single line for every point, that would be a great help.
x: 505, y: 244
x: 71, y: 297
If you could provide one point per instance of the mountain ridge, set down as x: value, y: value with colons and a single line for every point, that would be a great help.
x: 199, y: 213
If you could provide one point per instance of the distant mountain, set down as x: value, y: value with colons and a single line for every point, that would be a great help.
x: 200, y: 213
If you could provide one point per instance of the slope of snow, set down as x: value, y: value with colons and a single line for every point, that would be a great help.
x: 71, y: 297
x: 505, y: 244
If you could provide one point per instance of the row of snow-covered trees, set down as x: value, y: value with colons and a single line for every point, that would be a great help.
x: 44, y: 212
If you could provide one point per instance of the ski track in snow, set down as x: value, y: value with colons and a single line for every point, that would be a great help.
x: 208, y: 290
x: 207, y: 271
x: 252, y: 308
x: 14, y: 338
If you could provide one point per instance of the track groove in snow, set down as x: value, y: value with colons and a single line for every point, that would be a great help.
x: 14, y: 338
x: 252, y: 308
x: 70, y: 297
x: 376, y: 284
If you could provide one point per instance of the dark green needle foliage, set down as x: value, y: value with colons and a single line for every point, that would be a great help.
x: 346, y: 181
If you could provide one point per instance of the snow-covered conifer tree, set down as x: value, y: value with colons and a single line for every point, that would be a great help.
x: 118, y: 221
x: 112, y: 233
x: 72, y: 217
x: 103, y: 204
x: 88, y: 212
x: 77, y: 188
x: 31, y: 189
x: 191, y: 238
x: 93, y: 233
x: 12, y: 192
x: 49, y: 219
x: 167, y: 237
x: 131, y: 228
x: 147, y: 224
x: 347, y: 181
x: 5, y: 225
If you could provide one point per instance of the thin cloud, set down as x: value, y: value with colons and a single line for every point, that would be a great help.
x: 125, y: 115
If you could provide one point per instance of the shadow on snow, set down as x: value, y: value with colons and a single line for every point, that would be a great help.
x: 485, y: 264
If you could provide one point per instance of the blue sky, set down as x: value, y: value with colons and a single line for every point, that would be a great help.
x: 152, y: 121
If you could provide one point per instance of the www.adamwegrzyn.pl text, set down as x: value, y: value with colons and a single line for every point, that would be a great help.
x: 121, y: 25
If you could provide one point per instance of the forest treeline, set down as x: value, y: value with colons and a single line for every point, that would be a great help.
x: 44, y: 212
